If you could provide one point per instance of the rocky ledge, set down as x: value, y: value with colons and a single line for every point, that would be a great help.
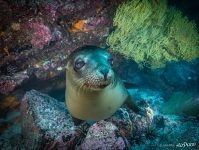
x: 46, y: 124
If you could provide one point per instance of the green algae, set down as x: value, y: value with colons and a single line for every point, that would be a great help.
x: 153, y: 35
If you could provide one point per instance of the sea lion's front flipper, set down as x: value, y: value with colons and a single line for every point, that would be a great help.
x: 132, y: 105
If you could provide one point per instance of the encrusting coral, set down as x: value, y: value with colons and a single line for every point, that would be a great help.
x: 79, y: 26
x: 153, y: 35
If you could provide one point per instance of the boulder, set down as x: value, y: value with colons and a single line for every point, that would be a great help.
x: 104, y: 135
x: 46, y: 123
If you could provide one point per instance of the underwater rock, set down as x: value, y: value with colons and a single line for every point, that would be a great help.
x: 182, y: 75
x: 8, y: 104
x: 11, y: 138
x: 51, y: 68
x: 171, y: 132
x: 47, y: 124
x: 175, y: 76
x: 7, y: 86
x: 137, y: 77
x: 9, y: 83
x: 104, y: 135
x: 40, y: 34
x: 33, y: 33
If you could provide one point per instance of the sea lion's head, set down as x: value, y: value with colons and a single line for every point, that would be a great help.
x: 90, y: 68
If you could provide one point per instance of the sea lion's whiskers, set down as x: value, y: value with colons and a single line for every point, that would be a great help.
x: 79, y: 90
x: 83, y: 89
x: 79, y: 84
x: 87, y: 88
x: 76, y: 83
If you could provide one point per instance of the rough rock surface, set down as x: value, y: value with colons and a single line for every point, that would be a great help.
x: 104, y: 135
x: 37, y: 36
x: 9, y: 83
x: 47, y: 124
x: 174, y: 77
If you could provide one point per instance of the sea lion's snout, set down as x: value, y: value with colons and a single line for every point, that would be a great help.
x: 105, y: 76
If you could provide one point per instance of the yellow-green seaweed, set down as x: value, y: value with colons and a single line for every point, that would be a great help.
x: 153, y: 34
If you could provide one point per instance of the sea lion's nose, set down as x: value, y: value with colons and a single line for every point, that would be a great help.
x: 104, y: 72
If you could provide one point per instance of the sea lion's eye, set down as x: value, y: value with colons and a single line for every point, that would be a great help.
x: 111, y: 61
x: 79, y: 63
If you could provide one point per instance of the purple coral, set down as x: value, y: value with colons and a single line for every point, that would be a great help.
x: 119, y: 144
x: 50, y: 11
x: 8, y: 83
x: 40, y: 34
x: 94, y: 22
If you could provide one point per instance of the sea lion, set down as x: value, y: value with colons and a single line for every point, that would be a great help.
x: 93, y: 90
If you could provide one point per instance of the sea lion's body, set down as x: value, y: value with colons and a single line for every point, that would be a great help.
x: 96, y: 105
x: 93, y: 90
